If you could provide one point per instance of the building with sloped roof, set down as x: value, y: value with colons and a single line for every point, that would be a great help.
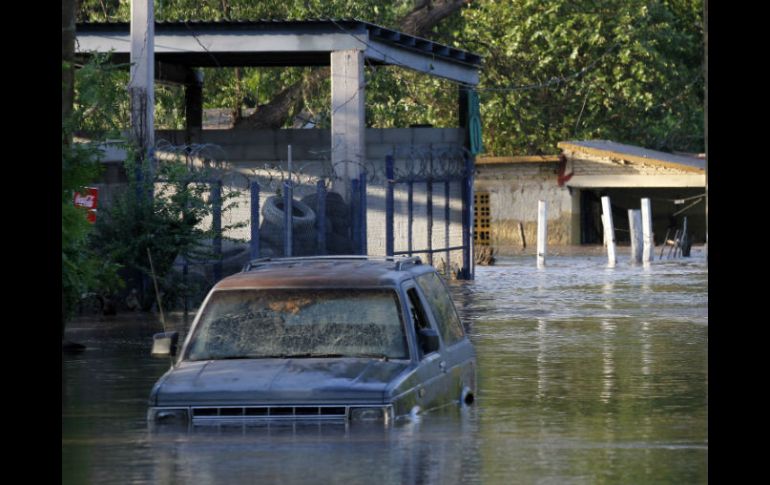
x: 507, y: 190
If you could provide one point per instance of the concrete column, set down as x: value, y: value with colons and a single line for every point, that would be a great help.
x: 348, y: 119
x: 635, y: 229
x: 141, y: 84
x: 609, y: 231
x: 542, y: 232
x: 647, y: 236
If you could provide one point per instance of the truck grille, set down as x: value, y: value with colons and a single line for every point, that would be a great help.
x: 200, y: 414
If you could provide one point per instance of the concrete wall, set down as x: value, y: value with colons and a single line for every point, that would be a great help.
x: 514, y: 191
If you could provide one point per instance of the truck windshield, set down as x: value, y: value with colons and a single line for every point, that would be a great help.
x: 252, y: 324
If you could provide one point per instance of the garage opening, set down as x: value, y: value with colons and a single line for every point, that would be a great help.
x: 669, y: 208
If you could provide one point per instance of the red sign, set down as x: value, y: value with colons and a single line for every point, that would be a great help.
x: 88, y: 201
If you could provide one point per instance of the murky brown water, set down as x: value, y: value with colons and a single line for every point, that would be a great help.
x: 586, y: 375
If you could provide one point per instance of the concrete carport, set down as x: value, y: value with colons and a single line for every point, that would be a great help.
x: 675, y: 185
x: 172, y: 52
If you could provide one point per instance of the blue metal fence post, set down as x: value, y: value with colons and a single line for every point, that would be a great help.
x: 254, y: 245
x: 447, y: 222
x: 467, y: 195
x: 410, y: 214
x: 186, y: 279
x: 429, y: 208
x: 321, y: 217
x: 216, y: 226
x: 390, y: 182
x: 362, y: 227
x: 355, y: 209
x: 287, y: 218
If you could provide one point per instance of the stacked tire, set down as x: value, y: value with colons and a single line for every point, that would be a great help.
x: 337, y: 212
x: 271, y: 232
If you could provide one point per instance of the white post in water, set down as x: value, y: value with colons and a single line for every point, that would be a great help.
x: 635, y: 227
x: 649, y: 244
x: 609, y: 231
x: 542, y: 232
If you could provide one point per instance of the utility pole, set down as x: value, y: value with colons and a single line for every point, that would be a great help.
x: 141, y: 83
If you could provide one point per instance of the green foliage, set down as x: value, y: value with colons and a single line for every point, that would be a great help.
x: 101, y: 107
x: 630, y: 71
x: 626, y: 70
x: 82, y: 270
x: 160, y: 212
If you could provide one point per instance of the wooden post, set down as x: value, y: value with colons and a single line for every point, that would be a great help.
x: 609, y: 231
x: 542, y: 232
x: 635, y: 227
x: 523, y: 239
x: 649, y: 243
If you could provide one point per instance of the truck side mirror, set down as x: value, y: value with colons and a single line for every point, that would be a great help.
x: 164, y: 344
x: 428, y: 340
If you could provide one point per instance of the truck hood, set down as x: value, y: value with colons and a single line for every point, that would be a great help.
x: 277, y: 381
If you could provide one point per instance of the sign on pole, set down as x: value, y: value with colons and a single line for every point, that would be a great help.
x: 88, y: 201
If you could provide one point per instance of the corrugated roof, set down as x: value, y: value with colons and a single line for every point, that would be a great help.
x: 611, y: 149
x: 377, y: 32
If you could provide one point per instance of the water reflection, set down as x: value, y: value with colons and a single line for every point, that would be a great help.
x: 446, y: 451
x: 608, y: 360
x: 586, y: 375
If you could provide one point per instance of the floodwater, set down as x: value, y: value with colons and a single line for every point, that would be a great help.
x: 586, y: 375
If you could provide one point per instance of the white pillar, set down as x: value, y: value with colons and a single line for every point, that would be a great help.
x: 609, y: 231
x: 142, y: 76
x: 649, y: 244
x: 348, y: 118
x: 635, y: 228
x: 542, y: 232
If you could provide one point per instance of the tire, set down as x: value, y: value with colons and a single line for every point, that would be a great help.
x: 337, y: 211
x: 271, y: 236
x: 302, y: 215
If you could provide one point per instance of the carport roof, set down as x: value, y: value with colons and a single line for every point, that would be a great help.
x: 229, y: 43
x: 619, y: 151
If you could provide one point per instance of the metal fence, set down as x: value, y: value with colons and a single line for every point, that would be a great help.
x: 310, y: 210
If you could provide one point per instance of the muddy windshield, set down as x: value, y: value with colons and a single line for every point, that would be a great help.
x: 243, y: 324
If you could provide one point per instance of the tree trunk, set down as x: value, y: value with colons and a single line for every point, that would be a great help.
x: 275, y: 114
x: 427, y: 14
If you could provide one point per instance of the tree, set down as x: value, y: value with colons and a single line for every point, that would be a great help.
x: 627, y: 70
x: 614, y: 69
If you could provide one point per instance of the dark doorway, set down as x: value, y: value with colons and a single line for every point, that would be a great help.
x: 669, y: 208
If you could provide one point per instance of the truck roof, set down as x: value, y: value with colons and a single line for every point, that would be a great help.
x: 324, y: 272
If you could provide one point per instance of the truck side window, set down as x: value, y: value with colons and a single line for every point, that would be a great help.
x: 418, y: 316
x: 437, y: 296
